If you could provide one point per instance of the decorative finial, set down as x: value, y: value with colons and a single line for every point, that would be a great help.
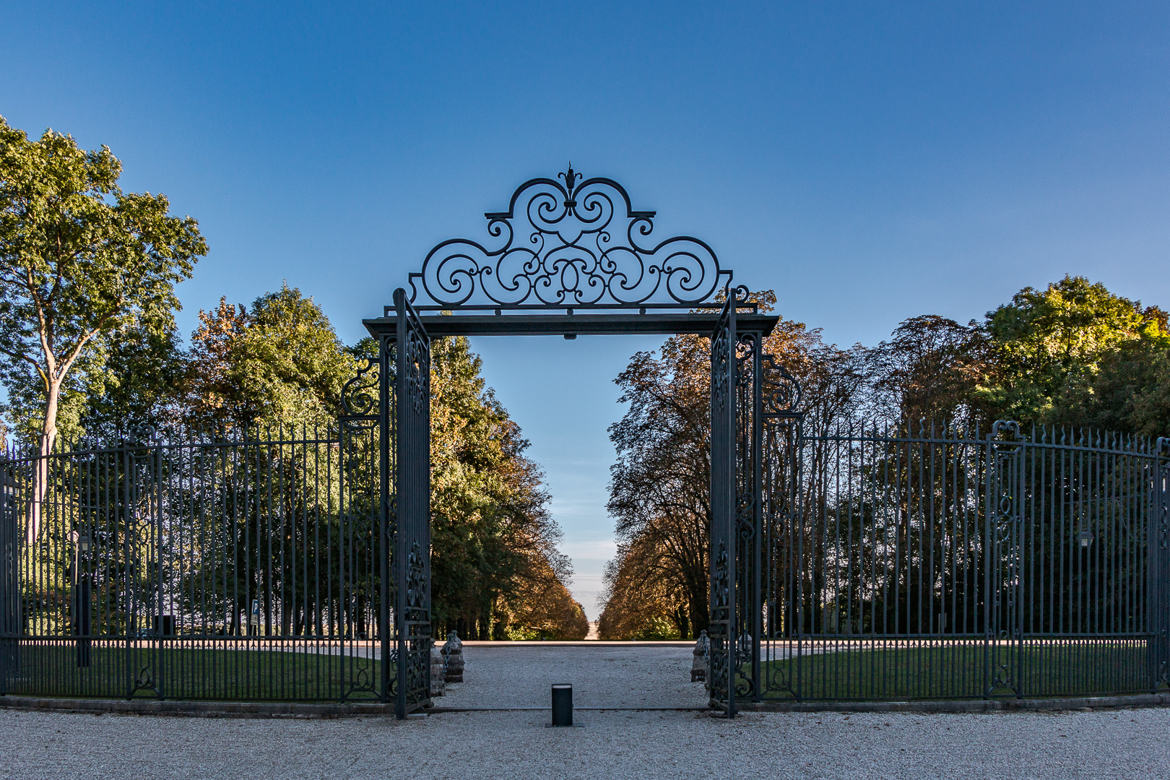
x: 570, y: 176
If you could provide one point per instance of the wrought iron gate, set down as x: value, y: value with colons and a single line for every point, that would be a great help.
x: 1159, y: 575
x: 920, y: 562
x: 721, y: 675
x: 1003, y: 629
x: 408, y: 511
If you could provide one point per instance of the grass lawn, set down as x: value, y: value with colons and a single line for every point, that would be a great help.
x: 224, y: 672
x: 959, y: 669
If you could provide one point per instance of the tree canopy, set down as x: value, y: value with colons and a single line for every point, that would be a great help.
x: 82, y: 262
x: 1073, y: 353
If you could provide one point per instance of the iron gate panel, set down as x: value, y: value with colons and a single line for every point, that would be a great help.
x: 411, y: 509
x: 1003, y: 561
x: 916, y: 562
x: 749, y: 463
x: 722, y: 627
x: 1159, y: 574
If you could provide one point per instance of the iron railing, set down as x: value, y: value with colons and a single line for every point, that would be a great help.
x: 212, y: 569
x: 956, y: 563
x: 933, y: 563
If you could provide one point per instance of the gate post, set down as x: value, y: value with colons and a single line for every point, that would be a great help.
x: 9, y: 581
x: 1002, y: 613
x: 386, y: 689
x: 412, y: 529
x: 722, y: 624
x: 1158, y: 561
x: 757, y: 560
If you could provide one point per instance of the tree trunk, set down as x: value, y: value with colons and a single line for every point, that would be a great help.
x: 40, y: 485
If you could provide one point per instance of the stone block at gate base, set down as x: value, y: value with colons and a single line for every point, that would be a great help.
x: 701, y: 657
x: 438, y: 671
x: 453, y: 652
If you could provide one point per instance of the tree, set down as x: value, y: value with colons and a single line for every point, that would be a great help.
x: 659, y: 486
x: 276, y: 363
x: 494, y: 564
x: 137, y: 394
x: 80, y: 259
x: 927, y: 370
x: 1051, y: 351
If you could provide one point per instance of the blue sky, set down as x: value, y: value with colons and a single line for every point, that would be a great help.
x: 868, y: 161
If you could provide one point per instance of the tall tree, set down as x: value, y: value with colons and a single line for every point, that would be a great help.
x: 495, y: 566
x: 1048, y: 349
x: 277, y: 362
x: 659, y: 485
x: 927, y: 370
x: 79, y: 258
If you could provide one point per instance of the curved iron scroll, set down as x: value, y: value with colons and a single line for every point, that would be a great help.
x: 566, y: 244
x: 781, y: 389
x: 359, y: 395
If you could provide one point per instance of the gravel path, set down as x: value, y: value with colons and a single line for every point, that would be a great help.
x: 602, y: 675
x: 607, y: 744
x: 603, y: 743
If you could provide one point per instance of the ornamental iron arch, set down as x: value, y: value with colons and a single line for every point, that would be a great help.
x: 573, y: 244
x: 572, y: 255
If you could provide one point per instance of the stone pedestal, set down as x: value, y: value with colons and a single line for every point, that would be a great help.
x: 700, y: 658
x: 453, y: 652
x: 438, y: 671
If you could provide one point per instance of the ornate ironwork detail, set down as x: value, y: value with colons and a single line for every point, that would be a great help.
x: 718, y: 675
x: 410, y: 506
x: 417, y: 586
x: 566, y: 244
x: 720, y: 364
x: 1007, y: 445
x: 782, y: 393
x: 418, y: 370
x: 359, y: 395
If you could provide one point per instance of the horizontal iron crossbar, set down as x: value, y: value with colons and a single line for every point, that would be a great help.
x: 574, y: 324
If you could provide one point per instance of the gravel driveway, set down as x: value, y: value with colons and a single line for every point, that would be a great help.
x: 602, y: 675
x: 609, y: 743
x: 604, y: 743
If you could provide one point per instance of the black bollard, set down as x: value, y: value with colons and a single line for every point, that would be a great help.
x: 562, y: 705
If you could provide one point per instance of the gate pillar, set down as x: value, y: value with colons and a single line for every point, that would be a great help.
x: 1158, y: 558
x: 722, y: 628
x: 406, y: 468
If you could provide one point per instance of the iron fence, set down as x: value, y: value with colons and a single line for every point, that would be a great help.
x: 211, y: 569
x: 934, y: 563
x: 959, y: 563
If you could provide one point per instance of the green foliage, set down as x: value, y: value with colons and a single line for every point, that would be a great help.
x: 137, y: 394
x: 495, y: 567
x: 80, y: 261
x: 1076, y: 353
x: 276, y: 363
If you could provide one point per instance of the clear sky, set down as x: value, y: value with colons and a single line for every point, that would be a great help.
x: 868, y: 161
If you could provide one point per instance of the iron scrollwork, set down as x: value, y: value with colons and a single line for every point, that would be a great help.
x: 568, y: 243
x: 782, y: 393
x: 1004, y: 566
x: 359, y: 394
x: 720, y: 360
x: 717, y: 675
x: 418, y: 627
